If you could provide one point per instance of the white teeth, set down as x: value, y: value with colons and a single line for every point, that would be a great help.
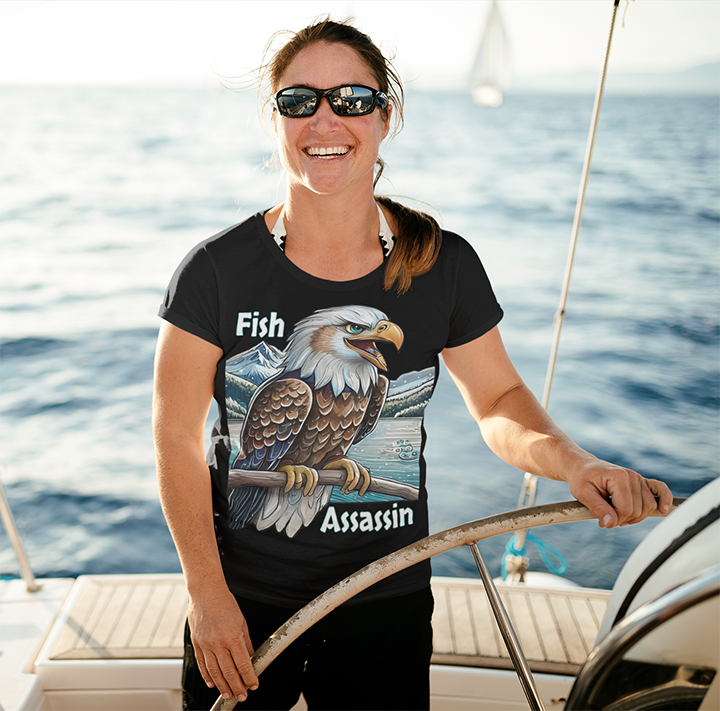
x: 321, y: 151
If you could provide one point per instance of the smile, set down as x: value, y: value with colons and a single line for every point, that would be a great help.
x: 329, y: 152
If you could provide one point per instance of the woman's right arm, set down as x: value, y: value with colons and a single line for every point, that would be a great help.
x: 185, y: 368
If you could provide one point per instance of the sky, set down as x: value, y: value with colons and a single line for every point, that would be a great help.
x: 190, y: 42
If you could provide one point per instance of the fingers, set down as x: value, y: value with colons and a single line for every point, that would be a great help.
x: 632, y: 497
x: 222, y: 645
x: 200, y: 658
x: 618, y: 496
x: 662, y: 491
x: 602, y: 510
x: 243, y: 664
x: 231, y: 672
x: 224, y: 675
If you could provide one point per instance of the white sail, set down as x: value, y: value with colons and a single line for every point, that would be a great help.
x: 490, y: 73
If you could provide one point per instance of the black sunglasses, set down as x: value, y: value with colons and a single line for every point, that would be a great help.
x: 302, y: 101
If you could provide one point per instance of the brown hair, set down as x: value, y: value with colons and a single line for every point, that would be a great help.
x: 418, y: 238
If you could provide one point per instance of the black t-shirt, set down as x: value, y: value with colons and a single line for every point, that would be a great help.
x: 333, y: 376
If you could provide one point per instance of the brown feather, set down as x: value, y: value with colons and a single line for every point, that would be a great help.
x: 268, y: 420
x: 334, y: 423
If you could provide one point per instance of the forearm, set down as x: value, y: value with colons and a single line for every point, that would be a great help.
x: 185, y: 368
x: 519, y: 430
x: 186, y: 498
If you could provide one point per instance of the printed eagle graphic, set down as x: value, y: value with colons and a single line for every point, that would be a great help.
x: 327, y: 397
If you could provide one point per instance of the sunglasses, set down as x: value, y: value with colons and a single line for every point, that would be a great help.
x: 302, y: 101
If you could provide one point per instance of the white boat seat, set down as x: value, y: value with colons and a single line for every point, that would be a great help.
x: 117, y: 632
x: 117, y: 618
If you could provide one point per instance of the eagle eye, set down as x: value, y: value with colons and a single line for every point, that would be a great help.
x: 354, y: 328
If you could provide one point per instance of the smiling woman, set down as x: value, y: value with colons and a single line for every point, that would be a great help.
x: 336, y: 153
x: 364, y: 295
x: 328, y: 153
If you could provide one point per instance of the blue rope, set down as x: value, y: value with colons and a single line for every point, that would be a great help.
x: 545, y: 549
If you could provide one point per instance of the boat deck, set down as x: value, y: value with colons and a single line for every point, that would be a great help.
x: 556, y: 626
x: 142, y: 617
x: 117, y: 644
x: 114, y: 617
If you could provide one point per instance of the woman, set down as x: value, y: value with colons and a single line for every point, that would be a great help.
x: 315, y: 325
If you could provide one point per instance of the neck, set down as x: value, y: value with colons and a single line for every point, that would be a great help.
x: 331, y: 221
x: 332, y: 236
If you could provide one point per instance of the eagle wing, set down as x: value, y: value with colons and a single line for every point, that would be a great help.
x: 276, y: 414
x: 374, y: 408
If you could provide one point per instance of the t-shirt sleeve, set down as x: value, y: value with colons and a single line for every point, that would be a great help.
x: 191, y: 301
x: 474, y: 308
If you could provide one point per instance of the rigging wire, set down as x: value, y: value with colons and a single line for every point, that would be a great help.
x: 529, y: 488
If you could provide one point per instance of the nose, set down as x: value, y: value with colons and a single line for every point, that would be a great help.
x: 324, y: 113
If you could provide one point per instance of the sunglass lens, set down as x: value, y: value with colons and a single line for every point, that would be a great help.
x: 352, y: 100
x: 297, y: 102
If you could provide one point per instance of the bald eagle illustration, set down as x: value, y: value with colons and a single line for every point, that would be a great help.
x: 328, y: 396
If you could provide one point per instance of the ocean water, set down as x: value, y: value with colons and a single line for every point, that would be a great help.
x: 102, y: 191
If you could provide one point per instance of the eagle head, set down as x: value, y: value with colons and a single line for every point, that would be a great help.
x: 338, y: 346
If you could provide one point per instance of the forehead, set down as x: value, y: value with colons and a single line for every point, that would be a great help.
x: 324, y: 65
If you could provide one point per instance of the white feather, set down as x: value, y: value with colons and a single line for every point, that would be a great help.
x: 340, y: 366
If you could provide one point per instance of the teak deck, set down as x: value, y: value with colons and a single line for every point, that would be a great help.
x: 142, y: 617
x: 117, y: 617
x: 556, y: 627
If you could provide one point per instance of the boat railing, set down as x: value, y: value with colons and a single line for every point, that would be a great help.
x: 508, y: 634
x: 14, y: 536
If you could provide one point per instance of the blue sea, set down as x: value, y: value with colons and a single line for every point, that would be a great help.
x: 103, y: 190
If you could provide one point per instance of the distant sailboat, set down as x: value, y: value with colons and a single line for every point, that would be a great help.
x: 490, y: 73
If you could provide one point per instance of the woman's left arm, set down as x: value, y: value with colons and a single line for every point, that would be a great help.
x: 519, y: 430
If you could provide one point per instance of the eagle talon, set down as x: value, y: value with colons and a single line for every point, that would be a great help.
x: 355, y: 472
x: 296, y: 473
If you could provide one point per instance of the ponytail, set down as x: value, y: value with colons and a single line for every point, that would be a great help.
x: 417, y: 245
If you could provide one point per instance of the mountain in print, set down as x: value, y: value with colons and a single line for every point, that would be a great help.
x: 256, y: 365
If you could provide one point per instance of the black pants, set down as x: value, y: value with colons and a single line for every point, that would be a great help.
x: 372, y: 656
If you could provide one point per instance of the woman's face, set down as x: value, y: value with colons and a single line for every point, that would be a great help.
x: 326, y: 153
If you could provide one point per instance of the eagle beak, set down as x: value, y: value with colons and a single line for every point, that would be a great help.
x: 364, y: 343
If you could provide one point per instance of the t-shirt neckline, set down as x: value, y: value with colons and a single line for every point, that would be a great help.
x: 278, y: 253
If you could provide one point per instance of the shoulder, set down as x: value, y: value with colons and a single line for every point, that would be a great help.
x: 207, y: 261
x: 456, y: 252
x: 225, y: 247
x: 238, y: 235
x: 453, y: 242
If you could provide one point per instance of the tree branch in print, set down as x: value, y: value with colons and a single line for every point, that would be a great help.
x: 239, y: 478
